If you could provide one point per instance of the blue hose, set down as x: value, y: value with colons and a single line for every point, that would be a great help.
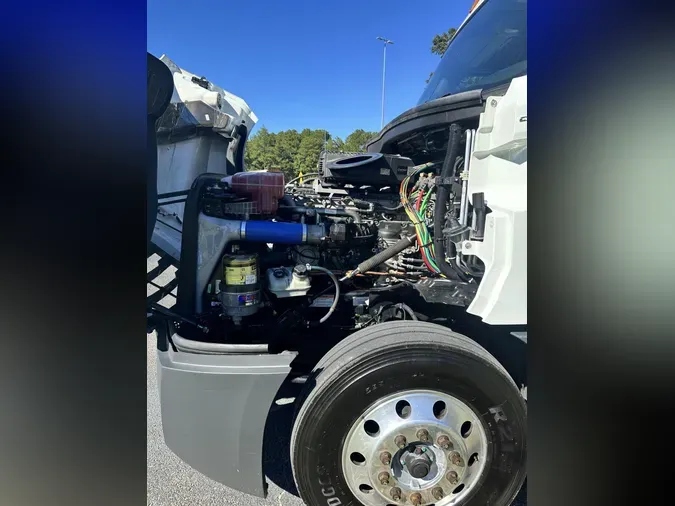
x: 281, y: 233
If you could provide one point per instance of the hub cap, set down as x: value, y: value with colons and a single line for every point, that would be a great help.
x: 417, y: 447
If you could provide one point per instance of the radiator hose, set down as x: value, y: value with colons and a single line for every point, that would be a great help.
x: 450, y: 270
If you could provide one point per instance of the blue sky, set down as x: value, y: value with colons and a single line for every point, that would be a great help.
x: 307, y: 64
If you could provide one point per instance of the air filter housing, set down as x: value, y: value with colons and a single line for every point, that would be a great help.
x: 375, y: 169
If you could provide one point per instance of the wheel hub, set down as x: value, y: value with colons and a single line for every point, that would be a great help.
x: 418, y: 462
x: 415, y: 447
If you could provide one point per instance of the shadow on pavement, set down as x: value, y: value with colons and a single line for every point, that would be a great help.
x: 276, y: 443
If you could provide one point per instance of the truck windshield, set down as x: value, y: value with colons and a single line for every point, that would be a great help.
x: 488, y: 51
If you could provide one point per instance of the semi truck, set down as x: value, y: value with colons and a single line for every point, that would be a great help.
x: 390, y: 284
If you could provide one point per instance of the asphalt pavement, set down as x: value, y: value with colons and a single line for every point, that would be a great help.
x: 171, y: 482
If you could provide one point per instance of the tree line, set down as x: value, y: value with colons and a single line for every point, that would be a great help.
x: 293, y: 152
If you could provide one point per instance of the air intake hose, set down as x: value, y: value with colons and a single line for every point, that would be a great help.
x: 450, y: 270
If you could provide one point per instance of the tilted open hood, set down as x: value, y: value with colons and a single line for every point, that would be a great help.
x: 199, y: 104
x: 204, y: 129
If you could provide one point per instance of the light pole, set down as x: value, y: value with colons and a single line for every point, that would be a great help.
x: 384, y: 68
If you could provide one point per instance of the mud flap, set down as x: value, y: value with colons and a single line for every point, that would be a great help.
x: 214, y: 409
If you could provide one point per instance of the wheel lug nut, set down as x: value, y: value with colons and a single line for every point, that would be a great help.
x: 444, y: 442
x: 423, y: 435
x: 415, y: 499
x: 384, y: 478
x: 395, y: 493
x: 437, y: 493
x: 385, y: 458
x: 456, y: 459
x: 452, y: 477
x: 400, y: 441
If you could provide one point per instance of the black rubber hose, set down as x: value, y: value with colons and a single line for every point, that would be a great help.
x: 287, y: 201
x: 407, y: 309
x: 383, y: 255
x: 241, y: 144
x: 363, y: 204
x: 387, y: 208
x: 336, y: 297
x: 450, y: 270
x: 479, y: 209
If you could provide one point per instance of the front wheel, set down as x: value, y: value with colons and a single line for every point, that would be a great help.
x: 409, y: 413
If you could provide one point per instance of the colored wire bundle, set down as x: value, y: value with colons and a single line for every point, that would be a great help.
x: 416, y: 205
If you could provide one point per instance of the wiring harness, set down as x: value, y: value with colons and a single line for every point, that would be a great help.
x: 416, y: 203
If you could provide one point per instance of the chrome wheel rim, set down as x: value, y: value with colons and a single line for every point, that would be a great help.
x: 418, y: 447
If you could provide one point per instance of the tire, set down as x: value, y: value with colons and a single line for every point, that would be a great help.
x: 403, y: 356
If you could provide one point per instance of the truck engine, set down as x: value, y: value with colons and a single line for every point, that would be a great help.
x: 382, y: 297
x: 368, y: 238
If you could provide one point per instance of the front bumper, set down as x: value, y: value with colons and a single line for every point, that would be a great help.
x: 214, y: 409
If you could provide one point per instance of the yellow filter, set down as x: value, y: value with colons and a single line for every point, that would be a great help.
x: 240, y: 270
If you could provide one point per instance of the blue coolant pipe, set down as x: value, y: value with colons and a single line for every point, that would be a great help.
x: 281, y: 233
x: 215, y: 234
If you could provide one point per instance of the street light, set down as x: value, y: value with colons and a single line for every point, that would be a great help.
x: 384, y: 67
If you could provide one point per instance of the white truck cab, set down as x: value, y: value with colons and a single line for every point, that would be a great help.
x: 390, y: 289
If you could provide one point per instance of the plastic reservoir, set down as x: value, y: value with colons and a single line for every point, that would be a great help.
x: 263, y: 188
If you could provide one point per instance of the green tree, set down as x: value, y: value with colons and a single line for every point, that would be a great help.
x: 261, y: 152
x: 286, y: 147
x: 335, y: 144
x: 291, y: 151
x: 440, y: 42
x: 311, y: 144
x: 356, y: 140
